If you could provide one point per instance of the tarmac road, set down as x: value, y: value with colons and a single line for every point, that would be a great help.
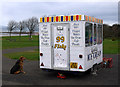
x: 35, y: 76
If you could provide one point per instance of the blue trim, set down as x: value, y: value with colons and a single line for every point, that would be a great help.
x: 71, y: 18
x: 61, y: 18
x: 51, y: 19
x: 43, y: 19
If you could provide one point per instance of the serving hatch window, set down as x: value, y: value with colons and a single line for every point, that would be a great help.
x: 95, y: 34
x: 99, y: 34
x: 88, y: 34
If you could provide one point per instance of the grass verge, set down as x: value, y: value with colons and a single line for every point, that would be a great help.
x: 17, y: 42
x: 30, y: 55
x: 110, y: 47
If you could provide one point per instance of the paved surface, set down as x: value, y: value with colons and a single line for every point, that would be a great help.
x: 18, y: 49
x: 35, y: 76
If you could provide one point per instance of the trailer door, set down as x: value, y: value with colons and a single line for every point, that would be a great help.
x: 60, y: 46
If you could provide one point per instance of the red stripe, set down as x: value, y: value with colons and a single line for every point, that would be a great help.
x: 57, y: 19
x: 66, y: 18
x: 47, y: 19
x: 77, y: 17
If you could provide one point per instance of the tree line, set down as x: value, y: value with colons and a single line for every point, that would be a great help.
x: 112, y: 32
x: 31, y: 24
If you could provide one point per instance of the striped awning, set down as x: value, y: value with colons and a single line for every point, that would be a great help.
x: 70, y: 18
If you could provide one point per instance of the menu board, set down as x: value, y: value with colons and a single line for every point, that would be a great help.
x: 75, y: 34
x: 45, y: 34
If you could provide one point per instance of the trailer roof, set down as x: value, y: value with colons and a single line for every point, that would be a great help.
x: 70, y: 18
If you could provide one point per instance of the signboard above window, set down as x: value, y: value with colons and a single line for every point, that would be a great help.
x: 60, y: 28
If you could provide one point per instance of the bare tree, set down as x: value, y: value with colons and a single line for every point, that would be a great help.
x: 12, y: 25
x: 32, y: 25
x: 21, y: 27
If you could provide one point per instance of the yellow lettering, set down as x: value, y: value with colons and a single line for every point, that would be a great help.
x: 55, y: 45
x: 58, y: 39
x: 60, y: 46
x: 63, y: 46
x: 62, y: 39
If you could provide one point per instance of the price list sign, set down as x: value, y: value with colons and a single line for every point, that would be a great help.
x: 45, y: 35
x: 75, y: 35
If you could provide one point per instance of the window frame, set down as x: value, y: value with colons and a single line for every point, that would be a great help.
x: 90, y: 43
x: 94, y: 28
x: 100, y: 34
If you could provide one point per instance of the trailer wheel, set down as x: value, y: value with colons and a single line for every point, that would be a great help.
x: 92, y: 69
x: 89, y: 71
x: 95, y: 69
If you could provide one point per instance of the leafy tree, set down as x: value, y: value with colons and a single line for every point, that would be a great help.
x: 112, y: 32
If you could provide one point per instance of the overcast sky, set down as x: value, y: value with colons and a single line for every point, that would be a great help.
x: 108, y: 11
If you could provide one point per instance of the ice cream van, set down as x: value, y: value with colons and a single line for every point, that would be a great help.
x: 70, y: 43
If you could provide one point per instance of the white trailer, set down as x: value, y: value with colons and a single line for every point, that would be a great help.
x: 70, y: 43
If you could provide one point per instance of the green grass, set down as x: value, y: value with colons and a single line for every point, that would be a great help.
x: 0, y: 43
x: 17, y: 43
x: 110, y: 47
x: 30, y: 55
